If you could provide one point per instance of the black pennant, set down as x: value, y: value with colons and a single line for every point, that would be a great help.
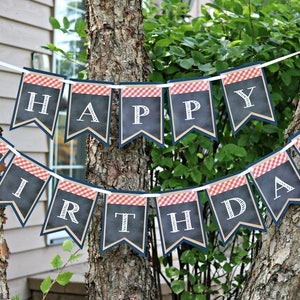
x: 89, y: 110
x: 38, y: 100
x: 278, y: 183
x: 22, y: 185
x: 191, y: 108
x: 71, y: 209
x: 233, y: 205
x: 141, y: 113
x: 125, y: 221
x: 246, y: 95
x: 180, y: 220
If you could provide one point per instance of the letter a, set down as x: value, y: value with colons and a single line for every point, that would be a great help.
x: 65, y: 210
x: 90, y: 108
x: 282, y: 185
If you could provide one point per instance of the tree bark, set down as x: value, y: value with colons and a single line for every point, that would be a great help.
x: 4, y: 252
x: 275, y: 272
x: 115, y: 53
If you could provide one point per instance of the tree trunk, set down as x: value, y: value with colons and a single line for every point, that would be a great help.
x: 275, y: 272
x: 115, y: 53
x: 4, y: 294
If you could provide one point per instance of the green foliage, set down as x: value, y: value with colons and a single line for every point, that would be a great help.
x: 17, y: 297
x: 229, y: 33
x: 62, y: 278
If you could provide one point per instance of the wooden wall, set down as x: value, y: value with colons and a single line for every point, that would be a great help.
x: 24, y: 28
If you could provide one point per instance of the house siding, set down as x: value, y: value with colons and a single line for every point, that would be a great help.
x: 24, y: 28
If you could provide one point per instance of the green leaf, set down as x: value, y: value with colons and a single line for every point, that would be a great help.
x: 46, y: 285
x: 80, y: 27
x: 227, y: 268
x: 199, y: 288
x: 172, y: 272
x: 54, y: 23
x: 64, y: 278
x: 180, y: 170
x: 186, y: 63
x: 186, y: 296
x: 164, y: 42
x: 57, y: 261
x: 177, y: 286
x: 74, y: 257
x: 178, y: 51
x: 68, y: 245
x: 66, y: 23
x: 235, y: 150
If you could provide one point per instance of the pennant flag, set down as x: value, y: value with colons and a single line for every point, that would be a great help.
x: 71, y: 209
x: 125, y: 220
x: 22, y: 186
x: 180, y: 220
x: 191, y: 107
x: 141, y: 113
x: 4, y: 149
x: 89, y: 110
x: 278, y: 183
x: 246, y: 95
x: 233, y: 205
x: 38, y: 100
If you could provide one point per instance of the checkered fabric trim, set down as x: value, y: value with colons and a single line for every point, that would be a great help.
x: 43, y: 80
x: 31, y: 168
x: 3, y: 148
x: 194, y: 86
x: 141, y: 92
x: 244, y: 74
x: 269, y: 164
x: 90, y: 89
x: 77, y: 189
x: 177, y: 198
x: 297, y: 144
x: 232, y: 183
x: 126, y: 199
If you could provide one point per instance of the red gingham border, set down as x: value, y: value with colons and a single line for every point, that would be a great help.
x: 227, y: 185
x: 177, y: 198
x: 269, y: 164
x: 297, y: 143
x: 43, y: 80
x: 3, y: 148
x: 193, y: 86
x: 241, y: 75
x: 141, y: 92
x: 90, y: 89
x: 77, y: 189
x: 126, y: 199
x: 30, y: 167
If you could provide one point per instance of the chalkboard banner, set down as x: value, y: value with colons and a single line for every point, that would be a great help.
x: 141, y: 113
x: 89, y: 110
x: 22, y: 186
x: 246, y: 95
x: 233, y: 205
x: 38, y: 100
x: 180, y: 220
x: 278, y: 182
x: 191, y: 108
x: 125, y: 220
x: 71, y: 209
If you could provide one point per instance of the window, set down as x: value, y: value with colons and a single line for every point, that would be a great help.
x: 66, y: 158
